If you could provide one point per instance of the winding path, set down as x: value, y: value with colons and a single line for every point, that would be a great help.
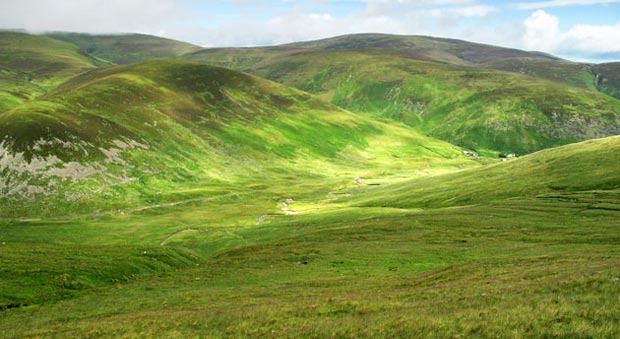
x: 190, y: 229
x: 285, y: 209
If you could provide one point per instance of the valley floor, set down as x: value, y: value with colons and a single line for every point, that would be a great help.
x: 530, y: 267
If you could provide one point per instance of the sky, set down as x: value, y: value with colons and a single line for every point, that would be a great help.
x: 579, y: 30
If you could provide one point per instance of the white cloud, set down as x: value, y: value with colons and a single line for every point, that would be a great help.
x: 559, y: 3
x: 96, y: 16
x: 395, y: 7
x: 466, y: 11
x: 378, y: 16
x: 592, y: 39
x: 298, y: 26
x: 420, y: 3
x: 542, y: 32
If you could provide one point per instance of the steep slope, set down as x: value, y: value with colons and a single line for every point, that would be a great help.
x: 608, y: 78
x: 126, y: 48
x: 473, y: 107
x: 30, y: 65
x: 128, y: 134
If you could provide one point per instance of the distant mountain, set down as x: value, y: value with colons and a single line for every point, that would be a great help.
x: 133, y: 48
x: 561, y: 71
x: 126, y: 48
x: 460, y: 52
x: 30, y: 65
x: 446, y: 50
x: 241, y: 58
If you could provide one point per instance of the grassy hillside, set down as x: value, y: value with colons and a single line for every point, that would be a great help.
x: 131, y: 134
x: 31, y: 65
x: 530, y: 262
x: 562, y: 71
x: 126, y: 48
x: 562, y: 173
x: 472, y: 107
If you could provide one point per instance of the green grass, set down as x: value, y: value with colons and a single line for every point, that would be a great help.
x: 56, y: 272
x: 561, y: 71
x: 587, y: 166
x: 522, y: 264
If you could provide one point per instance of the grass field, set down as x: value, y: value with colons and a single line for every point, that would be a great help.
x: 526, y: 263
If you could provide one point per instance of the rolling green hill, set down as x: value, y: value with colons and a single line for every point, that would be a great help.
x: 126, y: 48
x: 414, y: 83
x: 131, y: 48
x: 473, y: 107
x: 446, y: 88
x: 30, y: 65
x: 576, y: 172
x: 131, y: 134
